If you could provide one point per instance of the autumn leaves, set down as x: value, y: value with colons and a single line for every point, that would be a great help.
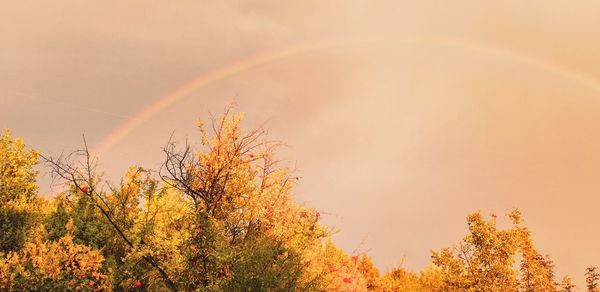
x: 219, y: 217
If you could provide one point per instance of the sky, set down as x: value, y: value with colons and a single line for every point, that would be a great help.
x: 400, y: 117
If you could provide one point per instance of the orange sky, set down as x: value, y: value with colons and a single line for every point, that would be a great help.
x: 396, y: 142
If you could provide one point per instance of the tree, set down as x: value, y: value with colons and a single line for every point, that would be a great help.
x: 60, y: 265
x: 567, y: 285
x: 19, y: 204
x: 223, y: 217
x: 17, y: 175
x: 399, y: 279
x: 484, y: 259
x: 77, y: 171
x: 591, y: 278
x: 431, y: 279
x: 220, y: 217
x: 536, y: 271
x: 369, y: 272
x: 124, y: 205
x: 241, y: 213
x: 333, y: 270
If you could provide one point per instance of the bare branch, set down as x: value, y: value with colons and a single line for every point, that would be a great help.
x: 83, y: 181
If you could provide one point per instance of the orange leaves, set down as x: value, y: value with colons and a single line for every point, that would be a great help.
x: 61, y: 263
x: 331, y: 269
x: 226, y: 208
x: 306, y: 215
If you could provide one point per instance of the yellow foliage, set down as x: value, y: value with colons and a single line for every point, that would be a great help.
x: 336, y: 271
x: 484, y: 260
x: 19, y: 204
x: 223, y: 219
x: 17, y: 175
x: 53, y: 265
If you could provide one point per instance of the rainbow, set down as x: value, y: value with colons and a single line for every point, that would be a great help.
x: 272, y: 56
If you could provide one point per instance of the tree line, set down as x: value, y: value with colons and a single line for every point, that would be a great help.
x: 220, y: 217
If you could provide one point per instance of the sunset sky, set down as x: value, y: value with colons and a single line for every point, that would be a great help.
x: 401, y: 117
